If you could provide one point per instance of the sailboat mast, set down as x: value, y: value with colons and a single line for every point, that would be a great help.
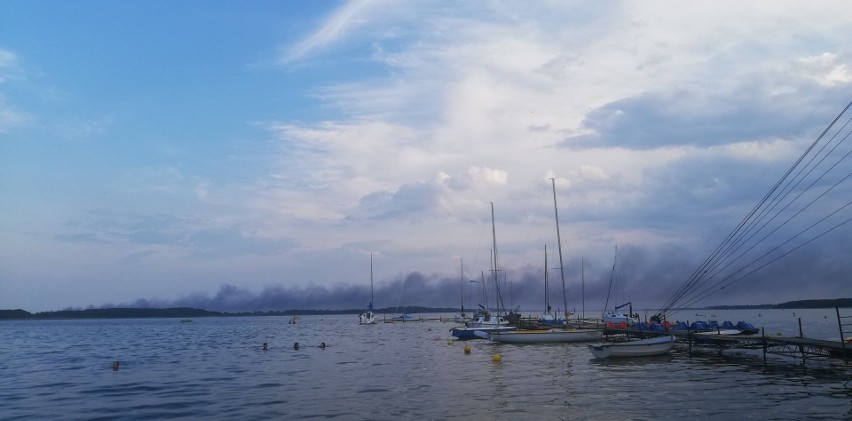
x: 546, y: 294
x: 494, y: 254
x: 371, y: 281
x: 559, y: 243
x: 462, y: 286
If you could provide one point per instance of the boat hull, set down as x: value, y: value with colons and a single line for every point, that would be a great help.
x: 641, y: 348
x: 464, y: 333
x: 550, y: 336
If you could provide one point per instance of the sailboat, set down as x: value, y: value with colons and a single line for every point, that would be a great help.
x: 559, y: 335
x: 484, y: 322
x: 462, y: 317
x: 368, y: 317
x: 548, y: 318
x: 404, y: 317
x: 613, y: 317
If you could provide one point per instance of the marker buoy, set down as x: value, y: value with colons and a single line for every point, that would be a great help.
x: 496, y: 358
x: 467, y: 349
x: 449, y: 342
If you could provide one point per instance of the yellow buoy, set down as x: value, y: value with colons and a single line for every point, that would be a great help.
x: 450, y: 342
x: 467, y: 349
x: 496, y: 358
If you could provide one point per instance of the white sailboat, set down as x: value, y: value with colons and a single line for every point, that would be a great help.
x: 614, y: 317
x: 641, y: 348
x: 562, y: 335
x: 368, y: 317
x: 484, y: 322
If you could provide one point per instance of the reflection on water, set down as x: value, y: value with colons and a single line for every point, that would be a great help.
x: 217, y: 368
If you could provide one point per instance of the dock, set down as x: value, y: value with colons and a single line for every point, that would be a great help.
x: 790, y: 346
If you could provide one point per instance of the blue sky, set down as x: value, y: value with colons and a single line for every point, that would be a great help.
x: 251, y: 155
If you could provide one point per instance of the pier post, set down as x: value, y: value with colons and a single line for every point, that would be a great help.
x: 688, y: 339
x: 801, y: 335
x: 842, y: 339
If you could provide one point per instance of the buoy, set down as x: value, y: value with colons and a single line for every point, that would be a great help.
x: 115, y: 366
x: 467, y: 349
x: 496, y: 358
x: 450, y: 342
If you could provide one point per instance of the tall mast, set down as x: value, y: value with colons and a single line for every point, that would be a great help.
x: 559, y: 243
x: 371, y: 281
x: 462, y: 286
x: 494, y: 253
x: 546, y: 292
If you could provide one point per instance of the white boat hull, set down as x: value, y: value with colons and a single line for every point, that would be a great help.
x: 550, y: 336
x: 367, y: 318
x: 641, y: 348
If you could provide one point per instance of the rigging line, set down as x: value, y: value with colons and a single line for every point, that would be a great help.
x: 781, y: 245
x: 611, y: 275
x: 750, y: 232
x: 479, y: 245
x: 801, y: 193
x: 702, y: 268
x: 782, y: 224
x: 777, y: 258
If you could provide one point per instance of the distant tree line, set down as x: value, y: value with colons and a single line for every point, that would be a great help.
x: 827, y: 303
x: 186, y: 312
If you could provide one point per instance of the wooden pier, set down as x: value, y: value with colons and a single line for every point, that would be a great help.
x: 791, y: 346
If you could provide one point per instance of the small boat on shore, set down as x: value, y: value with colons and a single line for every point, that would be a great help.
x: 641, y: 348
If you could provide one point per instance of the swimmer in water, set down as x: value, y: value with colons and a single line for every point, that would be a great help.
x: 296, y: 346
x: 322, y: 345
x: 265, y: 346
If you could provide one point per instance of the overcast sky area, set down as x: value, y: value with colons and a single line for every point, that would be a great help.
x: 245, y: 156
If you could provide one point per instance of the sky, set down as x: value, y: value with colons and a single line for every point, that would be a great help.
x: 254, y: 155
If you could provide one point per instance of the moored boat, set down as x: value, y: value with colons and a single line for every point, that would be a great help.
x: 547, y: 336
x: 367, y: 317
x: 641, y: 348
x: 404, y: 318
x: 465, y: 333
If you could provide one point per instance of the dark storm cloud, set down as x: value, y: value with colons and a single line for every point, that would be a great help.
x: 655, y: 120
x: 646, y: 276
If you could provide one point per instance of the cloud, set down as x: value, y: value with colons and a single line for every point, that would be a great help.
x: 333, y: 29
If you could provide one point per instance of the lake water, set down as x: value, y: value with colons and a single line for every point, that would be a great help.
x: 215, y: 368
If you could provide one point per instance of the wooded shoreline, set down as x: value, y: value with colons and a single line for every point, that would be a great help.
x: 186, y: 312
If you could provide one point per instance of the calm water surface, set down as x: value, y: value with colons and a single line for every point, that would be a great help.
x: 215, y: 368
